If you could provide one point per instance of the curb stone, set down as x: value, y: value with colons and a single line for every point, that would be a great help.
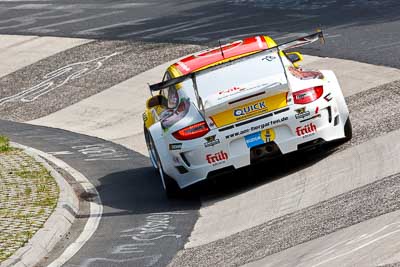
x: 56, y: 226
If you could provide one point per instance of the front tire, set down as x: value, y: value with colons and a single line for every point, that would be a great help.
x: 150, y: 148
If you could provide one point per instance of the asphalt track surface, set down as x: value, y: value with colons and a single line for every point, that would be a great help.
x: 131, y: 193
x: 129, y: 188
x: 361, y: 30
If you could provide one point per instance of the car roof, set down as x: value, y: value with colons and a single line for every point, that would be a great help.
x: 214, y: 56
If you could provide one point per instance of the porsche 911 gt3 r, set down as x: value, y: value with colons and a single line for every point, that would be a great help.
x: 228, y: 107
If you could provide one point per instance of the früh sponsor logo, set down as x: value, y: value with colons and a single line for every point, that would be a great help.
x: 213, y: 158
x: 306, y: 129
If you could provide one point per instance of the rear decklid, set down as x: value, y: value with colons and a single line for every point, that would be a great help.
x: 243, y: 89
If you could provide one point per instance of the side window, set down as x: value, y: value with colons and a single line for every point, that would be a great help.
x: 164, y: 92
x: 170, y: 93
x: 173, y: 97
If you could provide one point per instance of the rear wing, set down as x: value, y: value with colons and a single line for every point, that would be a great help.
x: 319, y: 35
x: 311, y: 38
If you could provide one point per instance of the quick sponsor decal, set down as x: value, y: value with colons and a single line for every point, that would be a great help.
x: 217, y: 158
x: 258, y: 127
x: 255, y: 139
x: 302, y: 113
x: 250, y: 110
x: 175, y: 146
x: 306, y: 130
x: 247, y: 110
x: 211, y: 141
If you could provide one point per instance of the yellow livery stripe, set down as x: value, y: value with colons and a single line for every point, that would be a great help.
x: 250, y: 110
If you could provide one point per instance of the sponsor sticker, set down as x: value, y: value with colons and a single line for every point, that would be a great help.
x: 258, y: 106
x: 255, y: 139
x: 230, y: 90
x: 250, y: 110
x: 306, y: 130
x: 217, y: 158
x: 268, y: 58
x: 257, y: 127
x: 302, y: 113
x: 211, y: 141
x: 302, y: 74
x: 175, y: 146
x: 145, y: 118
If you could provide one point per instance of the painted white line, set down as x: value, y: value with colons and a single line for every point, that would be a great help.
x: 96, y: 208
x: 58, y: 78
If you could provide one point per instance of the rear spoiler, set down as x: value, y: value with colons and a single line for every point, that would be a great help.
x: 284, y: 46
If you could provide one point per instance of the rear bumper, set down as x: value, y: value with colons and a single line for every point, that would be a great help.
x: 321, y: 121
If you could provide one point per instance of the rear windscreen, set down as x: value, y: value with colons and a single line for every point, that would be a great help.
x: 230, y: 78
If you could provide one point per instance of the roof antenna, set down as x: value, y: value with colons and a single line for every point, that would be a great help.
x: 220, y: 47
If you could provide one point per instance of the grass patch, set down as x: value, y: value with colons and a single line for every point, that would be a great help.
x: 4, y: 144
x: 44, y: 183
x: 28, y: 194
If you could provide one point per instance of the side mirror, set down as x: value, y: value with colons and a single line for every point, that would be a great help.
x: 294, y: 57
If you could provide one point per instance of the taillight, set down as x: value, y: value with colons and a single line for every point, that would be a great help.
x: 193, y: 131
x: 308, y: 95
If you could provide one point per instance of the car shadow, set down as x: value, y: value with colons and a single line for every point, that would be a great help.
x: 263, y: 172
x: 139, y: 190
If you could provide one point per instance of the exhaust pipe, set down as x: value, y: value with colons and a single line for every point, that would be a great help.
x: 269, y: 148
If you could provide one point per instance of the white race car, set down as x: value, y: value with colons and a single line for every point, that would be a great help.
x: 228, y: 107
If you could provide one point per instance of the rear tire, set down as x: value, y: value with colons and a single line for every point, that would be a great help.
x: 348, y: 130
x: 171, y: 187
